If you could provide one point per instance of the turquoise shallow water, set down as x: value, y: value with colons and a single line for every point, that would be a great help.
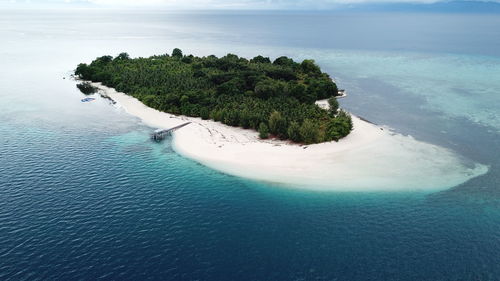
x: 86, y: 195
x: 455, y: 86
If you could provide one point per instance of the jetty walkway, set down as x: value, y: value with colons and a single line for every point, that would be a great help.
x: 160, y: 134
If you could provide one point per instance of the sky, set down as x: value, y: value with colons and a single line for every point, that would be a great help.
x: 216, y: 4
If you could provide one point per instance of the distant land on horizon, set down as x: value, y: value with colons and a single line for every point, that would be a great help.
x: 441, y: 7
x: 437, y: 7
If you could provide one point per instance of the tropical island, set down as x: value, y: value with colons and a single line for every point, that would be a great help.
x: 274, y: 98
x: 276, y: 121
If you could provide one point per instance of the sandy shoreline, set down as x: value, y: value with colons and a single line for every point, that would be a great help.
x: 370, y: 158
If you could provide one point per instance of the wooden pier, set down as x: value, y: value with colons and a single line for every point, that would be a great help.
x: 160, y: 134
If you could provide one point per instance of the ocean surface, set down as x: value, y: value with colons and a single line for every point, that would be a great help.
x: 85, y: 194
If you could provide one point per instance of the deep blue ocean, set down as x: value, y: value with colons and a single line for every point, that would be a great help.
x: 86, y: 195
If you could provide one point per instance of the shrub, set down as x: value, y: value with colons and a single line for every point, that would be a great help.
x: 294, y: 132
x: 86, y: 88
x: 309, y: 132
x: 334, y: 105
x: 204, y: 113
x: 277, y: 125
x: 263, y: 131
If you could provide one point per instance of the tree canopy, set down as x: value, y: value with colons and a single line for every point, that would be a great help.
x: 274, y: 98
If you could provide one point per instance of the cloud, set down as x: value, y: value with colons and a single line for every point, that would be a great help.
x: 240, y: 2
x: 258, y: 2
x: 222, y: 4
x: 194, y: 3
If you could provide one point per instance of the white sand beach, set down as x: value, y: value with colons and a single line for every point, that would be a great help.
x: 371, y: 158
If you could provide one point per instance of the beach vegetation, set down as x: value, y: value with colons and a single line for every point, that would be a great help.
x: 309, y: 132
x: 339, y: 127
x: 263, y: 131
x: 333, y: 105
x: 278, y: 125
x: 86, y: 88
x: 233, y: 90
x: 294, y: 132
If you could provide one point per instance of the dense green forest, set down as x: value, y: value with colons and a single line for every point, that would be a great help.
x: 275, y: 98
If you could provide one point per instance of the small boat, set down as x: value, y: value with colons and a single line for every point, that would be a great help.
x: 87, y: 99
